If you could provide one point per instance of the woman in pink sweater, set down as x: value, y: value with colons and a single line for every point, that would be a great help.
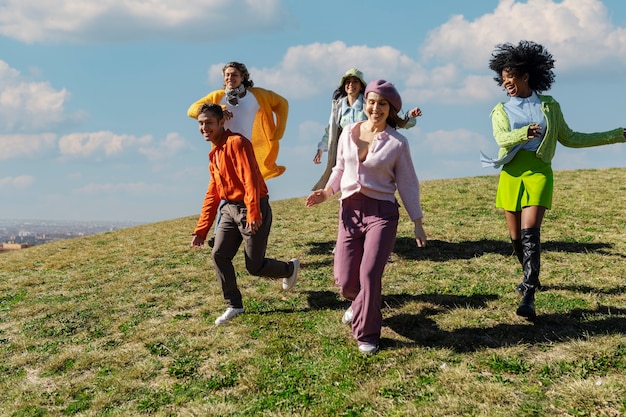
x: 373, y: 161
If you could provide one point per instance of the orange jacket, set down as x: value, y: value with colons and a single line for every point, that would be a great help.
x: 235, y: 176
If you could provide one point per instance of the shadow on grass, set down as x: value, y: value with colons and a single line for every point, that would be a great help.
x: 441, y: 251
x: 620, y: 289
x: 421, y: 329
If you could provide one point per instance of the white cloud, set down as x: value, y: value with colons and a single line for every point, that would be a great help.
x: 460, y: 141
x: 21, y: 181
x: 14, y: 146
x: 165, y: 149
x: 96, y: 21
x: 108, y: 143
x: 570, y: 29
x: 466, y: 89
x: 453, y: 67
x: 309, y: 70
x: 29, y: 106
x: 315, y: 69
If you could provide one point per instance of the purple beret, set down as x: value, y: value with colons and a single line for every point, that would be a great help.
x: 387, y: 90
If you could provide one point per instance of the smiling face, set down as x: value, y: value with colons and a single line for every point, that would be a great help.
x: 352, y: 86
x: 515, y: 84
x: 377, y: 109
x: 232, y: 78
x: 210, y: 126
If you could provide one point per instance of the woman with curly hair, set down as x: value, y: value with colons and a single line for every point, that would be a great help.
x: 260, y: 116
x: 527, y: 128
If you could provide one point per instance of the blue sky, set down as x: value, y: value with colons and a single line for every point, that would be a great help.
x: 93, y: 94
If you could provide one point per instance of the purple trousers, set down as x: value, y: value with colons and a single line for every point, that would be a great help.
x: 367, y: 234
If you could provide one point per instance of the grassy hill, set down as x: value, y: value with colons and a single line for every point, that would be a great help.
x: 121, y: 323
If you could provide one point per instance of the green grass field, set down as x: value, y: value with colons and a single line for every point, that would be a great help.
x: 121, y: 323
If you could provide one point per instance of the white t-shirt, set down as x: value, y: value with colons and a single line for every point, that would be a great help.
x: 243, y: 115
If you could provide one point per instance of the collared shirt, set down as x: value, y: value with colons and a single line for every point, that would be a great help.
x: 235, y: 176
x: 351, y: 114
x: 522, y: 112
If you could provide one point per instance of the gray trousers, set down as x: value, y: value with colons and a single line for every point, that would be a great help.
x: 231, y: 231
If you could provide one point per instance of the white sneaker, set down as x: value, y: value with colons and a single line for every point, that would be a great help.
x: 229, y: 314
x: 368, y: 348
x: 347, y: 316
x: 289, y: 282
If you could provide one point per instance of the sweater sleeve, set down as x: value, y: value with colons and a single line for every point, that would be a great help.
x: 502, y: 133
x: 280, y: 107
x: 571, y: 139
x: 208, y: 212
x: 338, y: 170
x: 408, y: 183
x: 212, y: 97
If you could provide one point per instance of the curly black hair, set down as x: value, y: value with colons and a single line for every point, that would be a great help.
x: 525, y: 57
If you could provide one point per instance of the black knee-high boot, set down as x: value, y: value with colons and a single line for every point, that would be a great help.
x: 519, y: 251
x: 531, y: 262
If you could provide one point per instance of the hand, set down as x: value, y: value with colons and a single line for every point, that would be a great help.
x: 420, y: 234
x: 317, y: 159
x: 197, y: 241
x: 316, y: 197
x: 416, y: 112
x: 534, y: 131
x: 254, y: 226
x: 227, y: 114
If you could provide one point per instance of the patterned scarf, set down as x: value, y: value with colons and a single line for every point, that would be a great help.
x: 232, y: 95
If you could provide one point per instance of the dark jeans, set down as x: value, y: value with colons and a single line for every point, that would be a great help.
x: 231, y: 231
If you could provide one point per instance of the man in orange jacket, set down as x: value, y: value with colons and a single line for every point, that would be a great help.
x: 246, y: 215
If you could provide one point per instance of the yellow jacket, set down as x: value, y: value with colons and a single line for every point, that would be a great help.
x: 266, y: 131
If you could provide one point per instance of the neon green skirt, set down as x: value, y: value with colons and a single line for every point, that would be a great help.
x: 525, y: 181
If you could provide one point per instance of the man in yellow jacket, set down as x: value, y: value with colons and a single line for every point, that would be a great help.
x: 260, y: 115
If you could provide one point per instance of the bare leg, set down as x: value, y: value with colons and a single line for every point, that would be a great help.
x: 532, y: 216
x: 514, y: 222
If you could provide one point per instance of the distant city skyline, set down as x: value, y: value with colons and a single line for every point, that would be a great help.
x: 37, y: 232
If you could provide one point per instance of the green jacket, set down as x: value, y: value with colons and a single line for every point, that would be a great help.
x: 557, y: 130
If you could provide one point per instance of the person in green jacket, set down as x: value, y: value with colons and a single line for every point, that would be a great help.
x: 527, y: 128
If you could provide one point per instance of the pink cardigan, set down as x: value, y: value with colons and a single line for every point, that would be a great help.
x: 388, y: 167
